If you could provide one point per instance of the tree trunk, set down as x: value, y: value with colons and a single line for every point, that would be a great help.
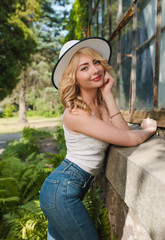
x: 22, y: 98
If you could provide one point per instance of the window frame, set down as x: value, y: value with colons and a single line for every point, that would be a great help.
x: 133, y: 115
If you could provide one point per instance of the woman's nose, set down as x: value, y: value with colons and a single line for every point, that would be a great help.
x: 95, y: 69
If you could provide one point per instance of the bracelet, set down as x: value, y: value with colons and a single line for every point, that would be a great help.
x: 114, y: 115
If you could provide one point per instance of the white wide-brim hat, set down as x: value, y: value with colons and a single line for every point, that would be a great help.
x: 100, y: 45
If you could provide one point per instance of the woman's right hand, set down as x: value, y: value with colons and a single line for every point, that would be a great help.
x: 149, y: 124
x: 108, y: 83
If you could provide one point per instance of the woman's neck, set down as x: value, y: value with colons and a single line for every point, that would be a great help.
x: 90, y: 98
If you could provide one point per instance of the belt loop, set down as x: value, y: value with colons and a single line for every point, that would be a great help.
x: 91, y: 179
x: 67, y: 167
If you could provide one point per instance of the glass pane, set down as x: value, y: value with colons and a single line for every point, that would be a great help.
x: 161, y: 88
x: 125, y: 67
x: 146, y: 20
x: 126, y: 41
x: 126, y: 4
x: 125, y: 71
x: 113, y: 63
x: 145, y: 76
x: 163, y: 13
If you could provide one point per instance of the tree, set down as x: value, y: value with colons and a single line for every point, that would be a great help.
x: 22, y: 93
x: 77, y: 23
x: 36, y: 75
x: 17, y: 41
x: 48, y: 33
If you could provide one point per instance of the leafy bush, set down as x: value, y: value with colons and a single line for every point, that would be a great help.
x: 60, y: 139
x: 99, y: 214
x: 8, y: 111
x: 21, y: 149
x: 27, y: 222
x: 43, y: 113
x: 32, y: 135
x: 22, y: 171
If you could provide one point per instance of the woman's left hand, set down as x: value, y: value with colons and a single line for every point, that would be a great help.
x: 108, y: 83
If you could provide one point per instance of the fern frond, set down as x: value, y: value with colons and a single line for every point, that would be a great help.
x: 95, y: 206
x: 9, y: 200
x: 28, y: 222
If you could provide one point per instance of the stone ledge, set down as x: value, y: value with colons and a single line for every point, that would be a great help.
x: 138, y: 175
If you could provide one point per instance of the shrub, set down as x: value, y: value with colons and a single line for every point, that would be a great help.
x: 8, y: 111
x: 32, y: 135
x: 99, y: 214
x: 22, y: 171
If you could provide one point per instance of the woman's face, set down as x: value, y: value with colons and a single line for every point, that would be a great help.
x: 89, y: 73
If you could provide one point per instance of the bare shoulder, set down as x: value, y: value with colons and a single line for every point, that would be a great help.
x: 73, y: 113
x: 75, y: 117
x: 80, y: 121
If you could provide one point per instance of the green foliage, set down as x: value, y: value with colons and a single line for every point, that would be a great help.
x: 17, y: 41
x: 22, y: 171
x: 8, y: 111
x: 31, y: 135
x: 99, y: 214
x: 20, y: 149
x: 28, y: 222
x: 60, y: 140
x: 77, y: 23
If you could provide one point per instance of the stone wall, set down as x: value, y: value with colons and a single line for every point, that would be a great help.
x: 133, y: 186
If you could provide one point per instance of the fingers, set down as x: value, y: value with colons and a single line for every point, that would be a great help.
x: 149, y: 123
x: 108, y: 78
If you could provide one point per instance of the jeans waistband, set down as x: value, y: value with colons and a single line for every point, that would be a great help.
x: 74, y: 167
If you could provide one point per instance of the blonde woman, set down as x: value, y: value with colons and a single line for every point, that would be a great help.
x: 91, y: 121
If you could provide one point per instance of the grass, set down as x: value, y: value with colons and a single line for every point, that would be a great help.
x: 12, y: 125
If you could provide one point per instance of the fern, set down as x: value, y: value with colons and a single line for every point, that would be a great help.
x: 22, y: 172
x: 28, y: 222
x: 20, y: 149
x: 31, y: 135
x: 94, y: 204
x: 56, y: 159
x: 60, y: 140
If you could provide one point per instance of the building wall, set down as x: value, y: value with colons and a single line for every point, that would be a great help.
x: 133, y: 179
x: 133, y: 186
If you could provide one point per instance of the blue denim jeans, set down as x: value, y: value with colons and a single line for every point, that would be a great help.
x: 61, y: 201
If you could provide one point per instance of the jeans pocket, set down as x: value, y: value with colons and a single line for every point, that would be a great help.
x: 48, y: 194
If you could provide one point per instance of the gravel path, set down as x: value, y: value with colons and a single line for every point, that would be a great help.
x: 5, y: 138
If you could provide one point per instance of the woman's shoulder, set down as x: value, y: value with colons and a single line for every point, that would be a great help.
x: 75, y: 111
x: 71, y: 115
x: 74, y: 117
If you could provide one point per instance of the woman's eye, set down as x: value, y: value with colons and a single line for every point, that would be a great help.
x: 84, y: 68
x: 96, y: 62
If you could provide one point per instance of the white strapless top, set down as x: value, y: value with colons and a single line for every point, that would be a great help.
x: 85, y: 151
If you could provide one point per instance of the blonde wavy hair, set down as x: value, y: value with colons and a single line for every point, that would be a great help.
x: 69, y: 90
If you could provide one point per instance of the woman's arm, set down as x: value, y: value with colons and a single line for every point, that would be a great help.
x: 116, y: 117
x: 81, y: 122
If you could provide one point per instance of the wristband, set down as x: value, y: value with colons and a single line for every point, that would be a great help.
x: 115, y: 115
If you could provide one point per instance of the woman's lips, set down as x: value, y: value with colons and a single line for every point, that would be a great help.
x: 96, y: 78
